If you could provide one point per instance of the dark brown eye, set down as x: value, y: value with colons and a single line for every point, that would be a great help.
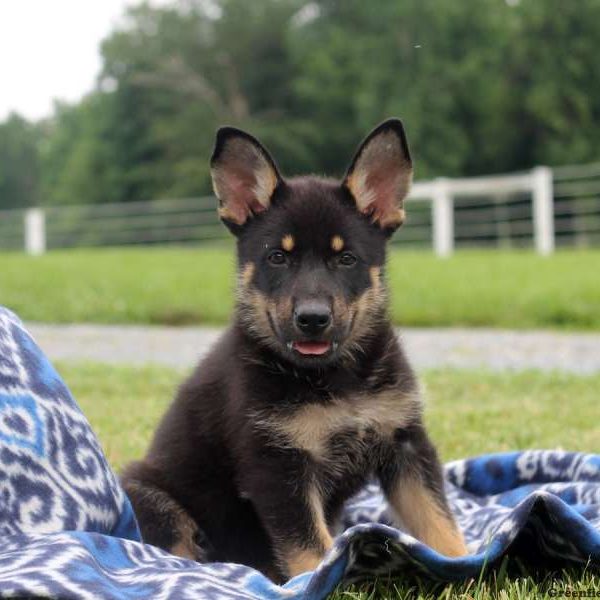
x: 347, y: 259
x: 277, y: 258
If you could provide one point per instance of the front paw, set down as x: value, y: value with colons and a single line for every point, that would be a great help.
x: 193, y: 545
x: 203, y: 550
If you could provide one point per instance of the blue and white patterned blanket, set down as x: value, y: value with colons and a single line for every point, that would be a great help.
x: 68, y: 530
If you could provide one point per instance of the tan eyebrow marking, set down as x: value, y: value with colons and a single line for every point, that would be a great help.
x: 287, y: 242
x: 337, y: 243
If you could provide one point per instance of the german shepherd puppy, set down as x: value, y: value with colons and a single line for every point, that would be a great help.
x: 308, y: 393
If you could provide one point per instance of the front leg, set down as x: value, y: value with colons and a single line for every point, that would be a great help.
x: 162, y: 520
x: 290, y: 505
x: 411, y: 477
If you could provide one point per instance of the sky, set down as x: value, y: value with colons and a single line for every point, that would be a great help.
x: 51, y: 49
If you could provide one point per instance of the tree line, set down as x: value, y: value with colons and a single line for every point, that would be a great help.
x: 482, y: 86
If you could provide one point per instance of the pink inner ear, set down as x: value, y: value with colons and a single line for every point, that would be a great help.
x: 383, y: 184
x: 240, y: 189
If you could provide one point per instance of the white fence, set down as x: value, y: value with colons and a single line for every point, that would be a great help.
x: 540, y: 208
x: 442, y: 193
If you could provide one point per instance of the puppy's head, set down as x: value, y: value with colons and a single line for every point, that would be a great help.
x: 311, y: 251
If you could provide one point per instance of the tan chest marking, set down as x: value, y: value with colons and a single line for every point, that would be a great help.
x: 310, y: 427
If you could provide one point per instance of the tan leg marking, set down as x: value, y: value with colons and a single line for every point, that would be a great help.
x: 324, y: 538
x: 300, y: 560
x: 425, y: 520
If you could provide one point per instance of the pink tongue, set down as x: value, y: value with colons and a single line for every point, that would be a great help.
x: 312, y: 347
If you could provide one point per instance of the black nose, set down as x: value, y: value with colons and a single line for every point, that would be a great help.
x: 312, y: 316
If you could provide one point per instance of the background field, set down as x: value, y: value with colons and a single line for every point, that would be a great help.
x: 468, y: 413
x: 185, y: 286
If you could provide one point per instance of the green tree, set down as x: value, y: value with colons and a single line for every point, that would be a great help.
x: 431, y: 63
x: 80, y: 165
x: 19, y: 163
x: 180, y: 73
x: 554, y: 76
x: 487, y: 86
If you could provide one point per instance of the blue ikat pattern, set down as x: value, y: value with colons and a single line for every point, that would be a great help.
x: 68, y: 530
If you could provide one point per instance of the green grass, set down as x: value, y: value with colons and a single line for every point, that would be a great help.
x: 529, y: 409
x: 184, y: 286
x: 502, y: 586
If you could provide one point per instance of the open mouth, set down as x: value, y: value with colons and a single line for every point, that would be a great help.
x: 312, y: 348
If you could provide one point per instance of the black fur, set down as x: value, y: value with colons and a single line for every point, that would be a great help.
x: 219, y: 456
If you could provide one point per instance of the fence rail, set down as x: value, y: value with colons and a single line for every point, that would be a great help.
x: 543, y: 207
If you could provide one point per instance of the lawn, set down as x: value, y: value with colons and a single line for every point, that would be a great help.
x: 468, y: 413
x: 184, y: 286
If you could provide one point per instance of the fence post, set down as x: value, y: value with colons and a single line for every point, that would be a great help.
x: 35, y: 231
x: 543, y: 210
x: 443, y: 218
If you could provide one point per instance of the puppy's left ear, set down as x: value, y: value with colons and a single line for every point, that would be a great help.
x: 380, y: 175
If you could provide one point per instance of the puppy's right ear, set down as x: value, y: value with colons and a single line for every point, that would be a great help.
x: 380, y: 175
x: 244, y: 176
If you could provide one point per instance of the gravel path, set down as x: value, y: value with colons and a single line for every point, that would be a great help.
x: 428, y: 348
